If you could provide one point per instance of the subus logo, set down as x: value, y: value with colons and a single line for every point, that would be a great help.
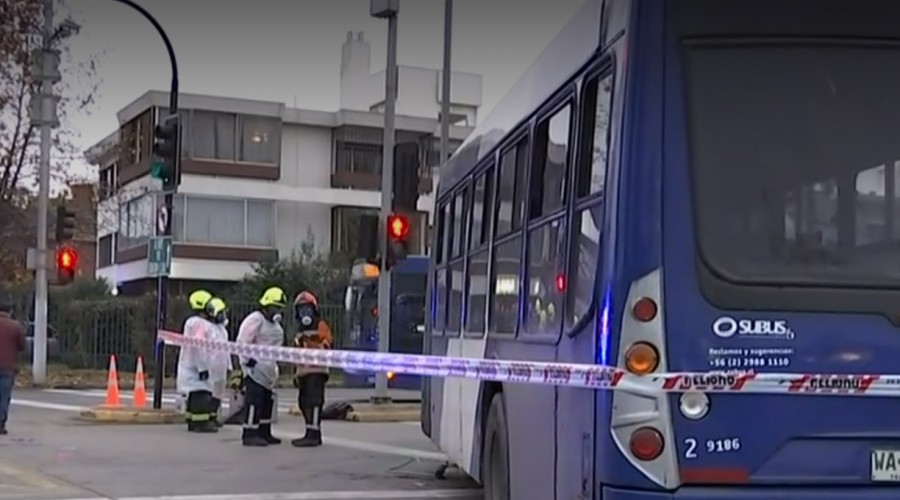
x: 727, y: 326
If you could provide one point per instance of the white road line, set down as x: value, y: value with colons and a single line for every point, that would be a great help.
x: 316, y: 495
x: 46, y: 406
x: 333, y: 441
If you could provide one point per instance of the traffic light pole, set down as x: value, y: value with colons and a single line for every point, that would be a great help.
x: 162, y: 284
x: 387, y: 191
x: 39, y: 352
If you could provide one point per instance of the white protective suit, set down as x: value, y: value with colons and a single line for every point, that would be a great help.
x: 219, y: 362
x: 193, y: 360
x: 257, y: 330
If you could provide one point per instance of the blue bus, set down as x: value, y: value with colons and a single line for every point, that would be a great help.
x: 408, y: 285
x: 679, y: 185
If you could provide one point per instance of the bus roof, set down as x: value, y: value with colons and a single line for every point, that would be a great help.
x: 562, y: 58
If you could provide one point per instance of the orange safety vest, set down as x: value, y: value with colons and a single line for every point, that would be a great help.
x: 321, y: 340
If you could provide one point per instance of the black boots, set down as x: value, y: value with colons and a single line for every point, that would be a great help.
x: 265, y: 431
x: 313, y: 437
x: 201, y: 412
x: 252, y: 438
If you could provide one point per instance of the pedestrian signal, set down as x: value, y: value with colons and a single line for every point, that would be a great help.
x: 66, y: 263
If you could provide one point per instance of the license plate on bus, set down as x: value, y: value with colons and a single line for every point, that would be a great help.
x: 886, y: 465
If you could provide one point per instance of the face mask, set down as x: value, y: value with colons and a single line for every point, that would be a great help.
x: 306, y: 320
x: 276, y: 318
x: 225, y: 323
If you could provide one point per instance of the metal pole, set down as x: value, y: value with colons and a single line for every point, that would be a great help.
x: 39, y: 362
x: 387, y: 195
x: 445, y: 82
x: 162, y: 284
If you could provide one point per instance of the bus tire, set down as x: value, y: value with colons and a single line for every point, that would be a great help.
x: 495, y: 452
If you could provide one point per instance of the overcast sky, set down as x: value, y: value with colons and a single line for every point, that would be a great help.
x: 289, y: 50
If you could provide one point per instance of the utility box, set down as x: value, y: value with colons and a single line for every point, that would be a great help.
x: 384, y: 8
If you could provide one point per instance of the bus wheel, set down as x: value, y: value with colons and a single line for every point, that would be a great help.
x: 495, y: 453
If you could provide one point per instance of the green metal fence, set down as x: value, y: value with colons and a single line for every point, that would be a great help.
x: 88, y: 332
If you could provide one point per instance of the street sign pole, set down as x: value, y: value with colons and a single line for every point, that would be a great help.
x: 388, y: 9
x: 162, y: 284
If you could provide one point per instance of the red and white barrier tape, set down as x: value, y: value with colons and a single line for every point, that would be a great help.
x: 559, y: 374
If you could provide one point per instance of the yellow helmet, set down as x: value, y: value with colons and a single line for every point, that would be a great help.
x: 216, y: 306
x: 273, y: 296
x: 199, y: 299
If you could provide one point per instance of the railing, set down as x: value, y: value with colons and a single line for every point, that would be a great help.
x: 88, y: 332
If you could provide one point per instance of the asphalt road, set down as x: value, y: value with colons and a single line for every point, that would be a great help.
x: 49, y: 455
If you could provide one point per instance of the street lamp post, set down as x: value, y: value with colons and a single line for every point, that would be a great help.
x: 386, y: 9
x: 162, y: 284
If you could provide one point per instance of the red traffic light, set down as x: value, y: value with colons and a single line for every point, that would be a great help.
x: 398, y: 226
x: 67, y: 258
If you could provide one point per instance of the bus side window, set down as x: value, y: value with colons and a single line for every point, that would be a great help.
x: 477, y: 279
x: 442, y: 249
x: 507, y: 255
x: 590, y: 184
x: 549, y: 171
x: 510, y: 189
x: 458, y: 252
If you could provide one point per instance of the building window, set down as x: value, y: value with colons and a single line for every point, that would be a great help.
x: 213, y: 135
x: 359, y: 149
x: 358, y: 158
x: 233, y: 138
x: 135, y: 222
x: 224, y: 221
x: 259, y: 140
x: 105, y: 254
x: 345, y: 228
x: 107, y: 182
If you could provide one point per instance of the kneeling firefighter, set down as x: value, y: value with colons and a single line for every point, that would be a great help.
x: 193, y: 376
x: 220, y: 361
x: 314, y: 333
x: 261, y: 327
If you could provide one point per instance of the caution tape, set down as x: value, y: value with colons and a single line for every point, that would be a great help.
x: 559, y: 374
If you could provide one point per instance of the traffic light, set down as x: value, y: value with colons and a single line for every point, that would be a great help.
x: 65, y: 224
x: 406, y: 176
x: 166, y: 163
x: 66, y: 262
x: 397, y: 234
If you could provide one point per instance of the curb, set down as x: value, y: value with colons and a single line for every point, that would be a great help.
x: 125, y: 415
x: 386, y: 415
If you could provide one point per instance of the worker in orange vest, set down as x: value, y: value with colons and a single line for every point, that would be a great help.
x: 313, y: 333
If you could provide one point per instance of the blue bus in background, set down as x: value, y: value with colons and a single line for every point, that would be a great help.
x: 679, y: 186
x: 408, y: 286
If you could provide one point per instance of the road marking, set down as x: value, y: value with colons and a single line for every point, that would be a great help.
x: 339, y: 442
x: 46, y: 406
x: 29, y: 478
x: 317, y: 495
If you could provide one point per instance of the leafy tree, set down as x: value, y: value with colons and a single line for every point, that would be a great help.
x: 21, y: 22
x: 305, y: 269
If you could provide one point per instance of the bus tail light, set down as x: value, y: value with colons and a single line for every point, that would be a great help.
x: 646, y: 444
x: 641, y: 358
x: 645, y: 310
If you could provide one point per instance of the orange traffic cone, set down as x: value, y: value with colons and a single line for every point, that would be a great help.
x: 140, y: 392
x: 112, y: 384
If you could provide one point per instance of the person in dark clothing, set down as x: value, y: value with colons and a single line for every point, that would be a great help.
x: 314, y: 333
x: 12, y: 342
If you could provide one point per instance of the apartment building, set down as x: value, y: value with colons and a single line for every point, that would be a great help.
x: 259, y: 177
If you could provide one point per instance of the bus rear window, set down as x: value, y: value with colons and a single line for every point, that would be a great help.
x: 795, y: 156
